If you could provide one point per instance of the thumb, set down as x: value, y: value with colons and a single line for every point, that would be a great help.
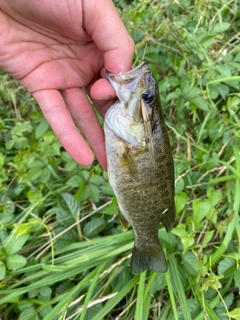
x: 103, y: 24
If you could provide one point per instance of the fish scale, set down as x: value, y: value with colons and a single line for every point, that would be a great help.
x: 140, y: 164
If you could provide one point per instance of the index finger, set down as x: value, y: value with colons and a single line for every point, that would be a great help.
x: 107, y: 30
x: 56, y: 113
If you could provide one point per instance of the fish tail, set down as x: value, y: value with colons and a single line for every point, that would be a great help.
x: 150, y: 257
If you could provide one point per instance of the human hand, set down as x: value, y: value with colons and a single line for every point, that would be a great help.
x: 57, y: 48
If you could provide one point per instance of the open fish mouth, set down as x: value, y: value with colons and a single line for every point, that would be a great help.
x: 128, y: 79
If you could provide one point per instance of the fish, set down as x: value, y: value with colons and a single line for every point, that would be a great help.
x: 140, y: 164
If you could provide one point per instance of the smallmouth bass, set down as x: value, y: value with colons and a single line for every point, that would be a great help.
x: 140, y: 164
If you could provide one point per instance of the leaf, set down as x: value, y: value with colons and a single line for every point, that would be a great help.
x: 33, y: 293
x: 67, y: 208
x: 14, y: 243
x: 179, y: 186
x: 173, y: 95
x: 6, y: 217
x: 187, y: 242
x: 24, y: 304
x: 66, y: 201
x: 235, y: 314
x: 94, y: 226
x: 34, y: 196
x: 222, y: 89
x: 94, y: 192
x: 190, y: 263
x: 28, y: 313
x: 21, y: 143
x: 213, y: 281
x: 167, y: 238
x: 45, y: 176
x: 221, y: 308
x: 6, y: 204
x: 200, y: 210
x: 107, y: 189
x: 186, y: 239
x: 45, y: 291
x: 237, y: 279
x: 207, y: 40
x: 213, y: 92
x: 82, y: 193
x: 34, y: 173
x: 200, y: 103
x: 215, y: 196
x: 49, y: 137
x: 221, y: 27
x: 2, y: 270
x: 15, y: 262
x: 194, y: 309
x: 93, y: 311
x: 180, y: 231
x: 53, y: 150
x: 208, y: 237
x: 2, y: 159
x: 67, y: 237
x: 158, y: 283
x: 37, y: 163
x: 153, y: 57
x: 45, y: 311
x: 180, y: 201
x: 224, y: 70
x: 225, y: 264
x: 97, y: 180
x: 41, y: 128
x: 112, y: 208
x: 75, y: 181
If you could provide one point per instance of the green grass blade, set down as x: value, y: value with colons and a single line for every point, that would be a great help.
x: 165, y: 313
x: 171, y: 294
x: 68, y: 298
x: 208, y: 308
x: 234, y: 224
x: 90, y: 290
x: 140, y: 297
x: 179, y: 287
x: 116, y: 299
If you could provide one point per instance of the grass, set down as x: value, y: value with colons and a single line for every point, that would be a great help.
x: 64, y: 254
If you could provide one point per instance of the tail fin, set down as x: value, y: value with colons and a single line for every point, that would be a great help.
x: 152, y: 258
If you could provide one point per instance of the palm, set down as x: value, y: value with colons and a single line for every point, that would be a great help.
x: 59, y: 66
x: 49, y: 59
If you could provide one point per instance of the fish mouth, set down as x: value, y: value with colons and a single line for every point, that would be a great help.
x: 135, y: 71
x: 128, y: 80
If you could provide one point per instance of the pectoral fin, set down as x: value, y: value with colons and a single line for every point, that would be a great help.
x: 127, y: 161
x: 123, y: 220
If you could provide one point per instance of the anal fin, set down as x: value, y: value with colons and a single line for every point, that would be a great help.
x: 123, y: 220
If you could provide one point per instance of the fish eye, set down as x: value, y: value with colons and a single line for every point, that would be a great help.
x: 148, y: 96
